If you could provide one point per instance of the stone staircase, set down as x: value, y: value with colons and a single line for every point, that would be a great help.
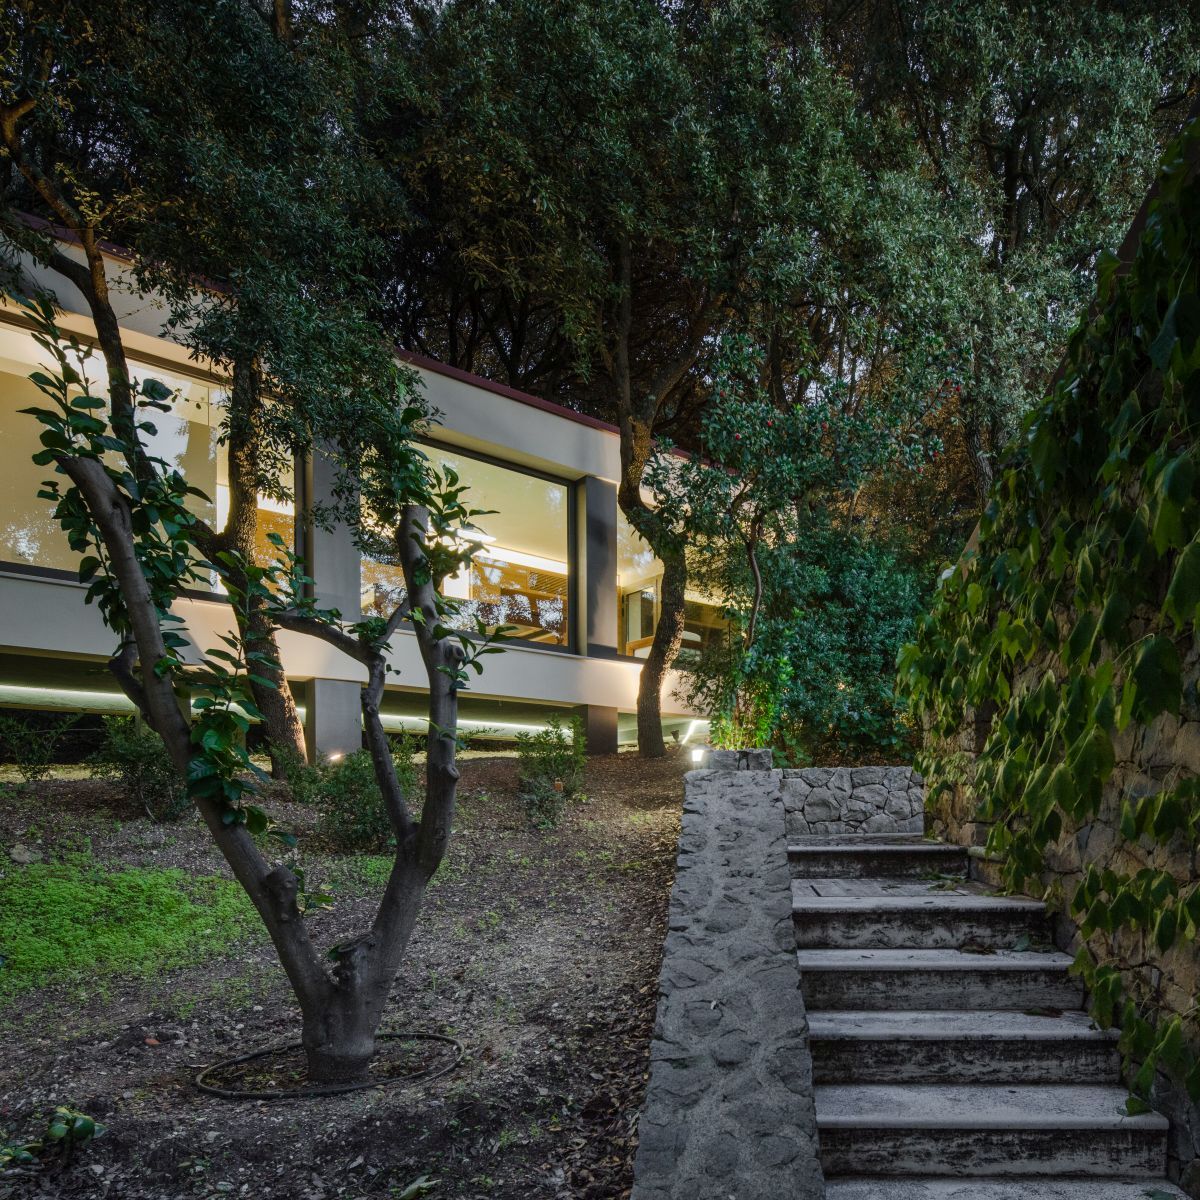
x: 951, y: 1056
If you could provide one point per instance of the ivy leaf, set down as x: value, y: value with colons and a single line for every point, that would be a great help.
x: 1156, y: 679
x: 1163, y: 346
x: 1164, y: 930
x: 1079, y: 644
x: 1184, y: 593
x: 1175, y: 482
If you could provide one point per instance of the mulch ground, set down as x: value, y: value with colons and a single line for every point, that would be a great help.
x: 537, y: 949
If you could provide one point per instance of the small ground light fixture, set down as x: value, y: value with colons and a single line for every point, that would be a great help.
x: 698, y: 754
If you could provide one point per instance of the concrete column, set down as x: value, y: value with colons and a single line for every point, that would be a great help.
x: 596, y: 555
x: 332, y: 716
x: 330, y: 554
x: 599, y: 728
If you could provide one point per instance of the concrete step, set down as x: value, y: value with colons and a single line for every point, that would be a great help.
x: 963, y: 1131
x: 932, y: 919
x: 856, y: 858
x: 1045, y: 1188
x: 961, y: 1047
x: 944, y: 979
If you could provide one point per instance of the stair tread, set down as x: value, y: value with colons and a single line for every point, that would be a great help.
x: 913, y: 958
x: 848, y: 846
x: 1029, y: 1187
x: 968, y: 1106
x: 861, y: 887
x: 938, y: 1025
x: 806, y: 897
x: 916, y: 959
x: 867, y: 839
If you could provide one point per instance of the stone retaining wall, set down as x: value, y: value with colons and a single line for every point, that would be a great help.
x: 729, y: 1106
x: 833, y: 800
x: 1149, y: 758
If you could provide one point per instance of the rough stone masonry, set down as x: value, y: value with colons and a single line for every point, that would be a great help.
x: 729, y: 1109
x: 841, y: 800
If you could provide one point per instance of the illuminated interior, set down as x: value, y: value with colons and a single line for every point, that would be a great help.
x: 519, y: 575
x: 186, y: 437
x: 639, y: 584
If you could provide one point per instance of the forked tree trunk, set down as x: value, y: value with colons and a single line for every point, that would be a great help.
x: 339, y: 1037
x: 339, y: 1031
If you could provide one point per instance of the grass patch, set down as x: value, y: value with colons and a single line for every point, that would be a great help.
x: 60, y: 921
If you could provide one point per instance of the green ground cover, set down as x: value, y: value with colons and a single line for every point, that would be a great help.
x: 59, y: 921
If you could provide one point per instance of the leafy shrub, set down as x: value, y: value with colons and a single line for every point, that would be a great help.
x: 31, y: 745
x: 66, y: 1131
x: 134, y: 758
x: 352, y: 816
x: 818, y: 682
x: 76, y: 919
x: 551, y: 765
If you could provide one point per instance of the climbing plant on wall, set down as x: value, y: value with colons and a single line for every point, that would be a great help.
x: 1072, y: 625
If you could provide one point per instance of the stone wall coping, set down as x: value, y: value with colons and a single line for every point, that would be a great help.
x: 729, y: 1105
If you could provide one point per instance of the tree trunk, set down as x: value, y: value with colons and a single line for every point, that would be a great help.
x: 339, y: 1031
x: 668, y: 635
x: 281, y: 721
x: 339, y: 1043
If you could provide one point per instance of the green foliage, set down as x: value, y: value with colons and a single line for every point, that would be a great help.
x: 1066, y: 628
x: 551, y: 763
x: 134, y: 758
x: 66, y: 1131
x: 816, y: 683
x: 77, y: 920
x: 31, y: 745
x: 1011, y: 104
x: 817, y: 607
x: 164, y: 542
x: 346, y: 795
x: 69, y: 1129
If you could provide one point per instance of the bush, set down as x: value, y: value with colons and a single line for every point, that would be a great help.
x: 31, y: 745
x: 817, y: 685
x: 133, y: 757
x: 551, y: 765
x: 352, y: 816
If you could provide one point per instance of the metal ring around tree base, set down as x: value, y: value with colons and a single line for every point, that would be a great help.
x: 329, y: 1089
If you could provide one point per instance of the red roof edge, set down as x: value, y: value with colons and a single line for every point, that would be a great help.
x: 500, y: 389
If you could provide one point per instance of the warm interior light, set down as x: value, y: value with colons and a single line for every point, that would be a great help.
x: 336, y: 756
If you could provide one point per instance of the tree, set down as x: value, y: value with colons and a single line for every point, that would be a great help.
x: 602, y: 191
x: 237, y: 201
x: 817, y: 605
x: 139, y: 161
x: 1041, y: 130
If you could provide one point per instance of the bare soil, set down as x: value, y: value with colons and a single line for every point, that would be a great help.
x: 538, y: 949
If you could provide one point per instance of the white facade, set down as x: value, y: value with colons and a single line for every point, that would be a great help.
x: 53, y: 646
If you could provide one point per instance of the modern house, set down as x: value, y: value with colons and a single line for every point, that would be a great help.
x: 558, y: 560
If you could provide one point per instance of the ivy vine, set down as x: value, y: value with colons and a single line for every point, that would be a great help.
x: 1071, y: 626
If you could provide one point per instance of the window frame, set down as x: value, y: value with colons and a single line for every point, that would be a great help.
x: 209, y: 379
x: 574, y: 590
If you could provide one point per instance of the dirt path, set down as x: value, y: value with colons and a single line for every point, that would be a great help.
x: 539, y: 950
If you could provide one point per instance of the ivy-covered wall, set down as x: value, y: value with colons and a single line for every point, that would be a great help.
x: 1057, y: 674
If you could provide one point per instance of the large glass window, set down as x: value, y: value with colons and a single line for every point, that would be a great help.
x: 519, y: 575
x: 639, y: 591
x: 187, y: 437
